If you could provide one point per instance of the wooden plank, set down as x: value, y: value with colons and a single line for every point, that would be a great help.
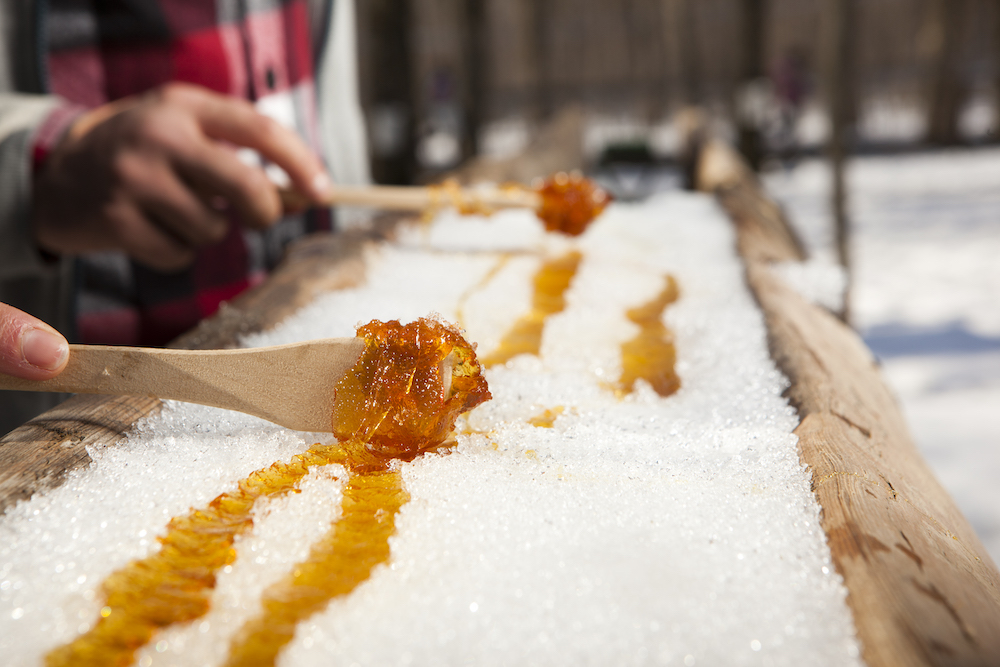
x: 38, y: 455
x: 922, y: 588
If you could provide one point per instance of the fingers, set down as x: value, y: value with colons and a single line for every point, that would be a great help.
x: 216, y: 171
x: 237, y: 122
x: 149, y: 240
x: 171, y: 204
x: 30, y: 348
x: 152, y: 176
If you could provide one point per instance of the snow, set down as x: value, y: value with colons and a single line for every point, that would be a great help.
x: 643, y: 530
x: 926, y: 298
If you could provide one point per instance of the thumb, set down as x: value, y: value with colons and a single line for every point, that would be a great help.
x: 30, y: 348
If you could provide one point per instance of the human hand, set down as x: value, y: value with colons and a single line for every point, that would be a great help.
x: 30, y: 348
x: 152, y: 176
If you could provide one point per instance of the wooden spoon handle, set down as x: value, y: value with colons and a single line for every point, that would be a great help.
x: 286, y: 384
x: 95, y: 369
x: 416, y: 198
x: 113, y: 369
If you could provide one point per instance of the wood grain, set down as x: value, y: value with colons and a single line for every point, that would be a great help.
x: 37, y: 456
x: 922, y: 588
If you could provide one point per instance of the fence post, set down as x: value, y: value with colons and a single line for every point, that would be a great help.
x: 837, y: 53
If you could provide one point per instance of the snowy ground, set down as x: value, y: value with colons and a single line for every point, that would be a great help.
x: 926, y: 298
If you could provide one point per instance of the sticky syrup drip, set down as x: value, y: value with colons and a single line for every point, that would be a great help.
x: 450, y: 193
x: 651, y: 355
x: 394, y: 404
x: 547, y: 418
x: 525, y: 336
x: 570, y: 203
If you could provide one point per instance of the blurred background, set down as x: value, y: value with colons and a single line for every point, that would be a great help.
x: 443, y: 80
x: 874, y: 123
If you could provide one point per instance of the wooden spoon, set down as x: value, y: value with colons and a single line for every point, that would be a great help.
x: 416, y: 198
x: 565, y: 203
x: 291, y: 385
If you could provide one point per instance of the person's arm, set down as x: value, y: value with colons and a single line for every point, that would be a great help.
x: 30, y: 348
x: 151, y: 176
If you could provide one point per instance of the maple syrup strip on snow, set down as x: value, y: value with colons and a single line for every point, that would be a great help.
x: 551, y: 283
x: 337, y: 563
x: 392, y: 405
x: 175, y: 584
x: 651, y: 355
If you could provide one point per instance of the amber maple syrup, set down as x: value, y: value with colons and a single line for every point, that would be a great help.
x: 651, y: 355
x: 551, y: 283
x: 570, y: 202
x: 547, y: 418
x: 357, y: 542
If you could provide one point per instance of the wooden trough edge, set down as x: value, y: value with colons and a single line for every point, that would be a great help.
x: 921, y: 586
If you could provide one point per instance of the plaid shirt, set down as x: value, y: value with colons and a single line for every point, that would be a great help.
x: 99, y: 51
